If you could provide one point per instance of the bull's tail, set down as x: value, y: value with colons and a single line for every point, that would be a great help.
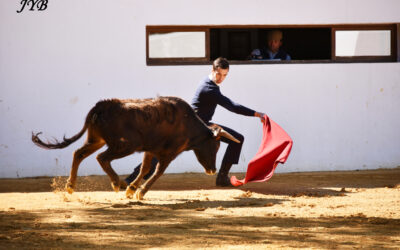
x: 57, y: 144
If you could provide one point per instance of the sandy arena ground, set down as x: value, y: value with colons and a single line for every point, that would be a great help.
x: 322, y: 210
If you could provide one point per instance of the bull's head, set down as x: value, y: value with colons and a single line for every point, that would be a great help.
x: 206, y: 151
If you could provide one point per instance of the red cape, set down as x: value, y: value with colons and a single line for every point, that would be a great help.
x: 275, y: 148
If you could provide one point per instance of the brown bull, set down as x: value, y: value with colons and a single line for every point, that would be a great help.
x: 162, y: 127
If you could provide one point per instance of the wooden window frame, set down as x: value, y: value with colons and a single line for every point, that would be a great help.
x: 179, y: 60
x: 393, y: 27
x: 393, y: 46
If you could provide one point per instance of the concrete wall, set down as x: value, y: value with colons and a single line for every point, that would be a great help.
x: 57, y: 63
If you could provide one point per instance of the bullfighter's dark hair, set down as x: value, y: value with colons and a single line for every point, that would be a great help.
x: 221, y: 63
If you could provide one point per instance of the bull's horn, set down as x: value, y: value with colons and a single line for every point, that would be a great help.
x: 228, y: 136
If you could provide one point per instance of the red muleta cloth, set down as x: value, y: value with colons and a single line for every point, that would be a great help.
x: 275, y: 148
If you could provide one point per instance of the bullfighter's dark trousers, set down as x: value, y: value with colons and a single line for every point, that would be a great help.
x: 233, y: 150
x: 231, y: 156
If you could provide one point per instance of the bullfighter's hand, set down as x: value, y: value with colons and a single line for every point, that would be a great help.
x: 260, y: 115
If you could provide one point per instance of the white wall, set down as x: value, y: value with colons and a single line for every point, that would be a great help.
x: 56, y: 64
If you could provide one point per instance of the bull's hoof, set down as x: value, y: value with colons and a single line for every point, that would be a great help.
x: 70, y: 188
x: 211, y: 172
x: 139, y: 195
x: 130, y: 190
x: 115, y: 187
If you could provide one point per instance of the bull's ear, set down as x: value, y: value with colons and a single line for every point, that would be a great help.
x: 215, y: 130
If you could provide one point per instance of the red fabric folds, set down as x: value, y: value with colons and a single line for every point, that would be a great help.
x: 275, y: 148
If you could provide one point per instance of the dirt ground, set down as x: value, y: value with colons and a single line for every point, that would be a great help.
x: 323, y: 210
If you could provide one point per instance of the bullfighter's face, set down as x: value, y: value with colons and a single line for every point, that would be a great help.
x: 219, y: 75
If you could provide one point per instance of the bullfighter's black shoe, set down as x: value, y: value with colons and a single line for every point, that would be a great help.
x: 223, y: 181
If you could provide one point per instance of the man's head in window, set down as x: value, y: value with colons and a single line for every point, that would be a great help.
x: 274, y: 40
x: 273, y: 49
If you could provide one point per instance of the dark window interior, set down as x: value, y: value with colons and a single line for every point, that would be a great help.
x: 299, y: 43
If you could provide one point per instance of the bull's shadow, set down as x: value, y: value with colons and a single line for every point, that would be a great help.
x: 194, y: 204
x: 201, y: 205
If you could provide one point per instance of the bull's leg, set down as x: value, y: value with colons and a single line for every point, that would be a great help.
x: 105, y: 159
x: 160, y: 168
x: 144, y: 169
x: 79, y: 155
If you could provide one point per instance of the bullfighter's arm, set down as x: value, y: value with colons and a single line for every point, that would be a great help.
x: 237, y: 108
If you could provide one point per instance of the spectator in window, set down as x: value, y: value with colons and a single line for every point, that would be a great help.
x: 273, y: 50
